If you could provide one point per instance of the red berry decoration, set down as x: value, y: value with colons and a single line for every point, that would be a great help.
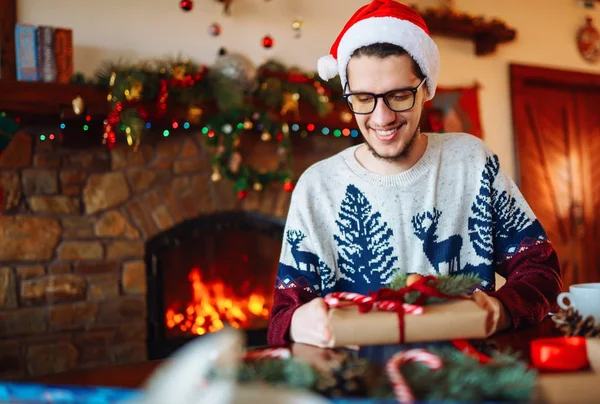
x: 186, y: 5
x: 267, y: 42
x: 242, y: 194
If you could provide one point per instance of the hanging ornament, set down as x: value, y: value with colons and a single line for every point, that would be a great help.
x: 297, y: 27
x: 78, y: 105
x: 588, y: 41
x: 186, y: 5
x: 345, y: 116
x: 238, y: 68
x: 242, y: 194
x: 234, y: 162
x: 257, y: 186
x: 267, y: 42
x: 226, y: 6
x: 179, y: 72
x: 214, y: 29
x: 216, y: 175
x: 134, y: 93
x: 288, y: 185
x: 290, y: 104
x: 265, y: 137
x: 194, y: 114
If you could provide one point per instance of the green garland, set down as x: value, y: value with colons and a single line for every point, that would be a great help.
x: 160, y: 96
x: 462, y: 378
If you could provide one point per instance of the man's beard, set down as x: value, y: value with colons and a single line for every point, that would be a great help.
x: 403, y: 154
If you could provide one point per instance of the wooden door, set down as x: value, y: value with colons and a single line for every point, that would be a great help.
x: 588, y: 119
x: 556, y: 120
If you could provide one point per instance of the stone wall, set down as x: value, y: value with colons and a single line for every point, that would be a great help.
x: 73, y: 229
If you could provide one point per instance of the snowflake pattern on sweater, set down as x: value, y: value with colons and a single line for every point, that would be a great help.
x: 454, y: 212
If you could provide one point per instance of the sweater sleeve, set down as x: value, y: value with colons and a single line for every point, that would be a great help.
x: 523, y: 255
x: 298, y: 275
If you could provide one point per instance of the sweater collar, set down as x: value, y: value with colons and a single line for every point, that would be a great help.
x: 425, y: 163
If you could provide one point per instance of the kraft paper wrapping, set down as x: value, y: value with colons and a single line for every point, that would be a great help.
x: 439, y: 322
x: 574, y: 387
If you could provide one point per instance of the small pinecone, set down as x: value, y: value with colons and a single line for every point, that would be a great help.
x: 347, y: 380
x: 571, y: 323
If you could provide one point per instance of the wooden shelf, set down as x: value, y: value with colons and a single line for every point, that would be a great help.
x: 486, y: 34
x: 38, y: 98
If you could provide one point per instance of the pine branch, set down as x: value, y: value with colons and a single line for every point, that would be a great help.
x: 454, y: 285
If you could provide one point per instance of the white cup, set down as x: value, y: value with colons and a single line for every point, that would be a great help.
x: 583, y: 297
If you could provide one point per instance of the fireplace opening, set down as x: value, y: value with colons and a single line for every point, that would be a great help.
x: 209, y: 272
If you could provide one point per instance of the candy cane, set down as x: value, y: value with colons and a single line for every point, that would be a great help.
x: 402, y: 390
x: 279, y: 353
x: 336, y: 299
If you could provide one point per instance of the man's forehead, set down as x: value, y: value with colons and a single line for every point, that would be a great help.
x: 380, y: 74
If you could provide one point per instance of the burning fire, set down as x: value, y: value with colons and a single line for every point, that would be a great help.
x: 214, y: 303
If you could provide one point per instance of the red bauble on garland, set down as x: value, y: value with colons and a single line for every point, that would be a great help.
x: 186, y: 5
x: 288, y: 186
x: 267, y: 42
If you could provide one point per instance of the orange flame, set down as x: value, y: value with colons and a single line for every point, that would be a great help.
x: 214, y: 303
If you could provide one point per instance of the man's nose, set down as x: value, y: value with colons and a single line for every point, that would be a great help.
x: 382, y: 115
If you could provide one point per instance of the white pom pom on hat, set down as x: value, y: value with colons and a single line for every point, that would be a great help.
x: 327, y: 67
x: 384, y: 21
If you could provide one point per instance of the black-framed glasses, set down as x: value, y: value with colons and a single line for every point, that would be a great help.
x: 398, y: 100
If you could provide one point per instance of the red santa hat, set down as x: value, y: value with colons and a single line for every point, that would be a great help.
x: 384, y: 21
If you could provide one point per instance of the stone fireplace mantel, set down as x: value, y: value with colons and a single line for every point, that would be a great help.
x: 73, y: 228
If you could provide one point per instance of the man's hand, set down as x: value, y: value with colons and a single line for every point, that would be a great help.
x: 498, y: 319
x: 310, y: 323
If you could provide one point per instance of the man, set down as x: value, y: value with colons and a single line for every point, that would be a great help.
x: 404, y: 200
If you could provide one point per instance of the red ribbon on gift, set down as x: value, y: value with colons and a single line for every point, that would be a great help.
x: 386, y: 299
x: 559, y: 353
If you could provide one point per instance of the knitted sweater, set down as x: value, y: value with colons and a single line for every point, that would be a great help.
x: 453, y: 212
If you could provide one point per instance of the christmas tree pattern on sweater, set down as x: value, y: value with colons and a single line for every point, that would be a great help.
x: 365, y: 252
x: 498, y: 226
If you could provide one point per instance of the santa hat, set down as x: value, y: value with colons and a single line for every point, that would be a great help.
x: 384, y: 21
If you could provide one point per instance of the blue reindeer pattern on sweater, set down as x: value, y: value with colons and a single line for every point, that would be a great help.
x: 438, y: 252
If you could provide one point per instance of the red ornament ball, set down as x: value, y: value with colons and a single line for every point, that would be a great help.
x: 288, y: 186
x: 267, y: 42
x: 214, y: 29
x: 242, y: 194
x: 186, y: 5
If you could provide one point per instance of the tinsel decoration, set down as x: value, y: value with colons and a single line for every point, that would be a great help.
x: 454, y: 285
x: 573, y: 324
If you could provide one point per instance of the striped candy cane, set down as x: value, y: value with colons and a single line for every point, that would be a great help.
x: 336, y: 299
x: 402, y: 390
x: 279, y: 353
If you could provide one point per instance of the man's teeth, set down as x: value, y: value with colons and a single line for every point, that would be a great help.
x: 385, y: 132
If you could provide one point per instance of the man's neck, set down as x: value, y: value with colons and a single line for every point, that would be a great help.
x: 384, y: 167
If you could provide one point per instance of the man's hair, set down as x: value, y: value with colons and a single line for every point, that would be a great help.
x: 383, y: 50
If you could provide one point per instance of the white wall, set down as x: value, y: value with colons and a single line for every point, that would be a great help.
x: 143, y: 29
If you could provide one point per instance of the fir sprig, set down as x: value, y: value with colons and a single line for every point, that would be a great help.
x: 454, y: 285
x: 462, y: 378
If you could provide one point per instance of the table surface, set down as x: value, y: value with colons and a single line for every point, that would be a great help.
x: 134, y: 375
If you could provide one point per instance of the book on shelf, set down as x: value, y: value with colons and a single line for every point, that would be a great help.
x: 26, y: 52
x: 44, y: 53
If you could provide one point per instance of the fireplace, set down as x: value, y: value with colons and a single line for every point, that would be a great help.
x: 215, y: 270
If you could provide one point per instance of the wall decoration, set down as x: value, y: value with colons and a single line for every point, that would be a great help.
x: 588, y: 41
x: 453, y: 109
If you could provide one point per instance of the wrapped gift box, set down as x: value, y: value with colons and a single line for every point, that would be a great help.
x: 439, y: 322
x: 573, y: 387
